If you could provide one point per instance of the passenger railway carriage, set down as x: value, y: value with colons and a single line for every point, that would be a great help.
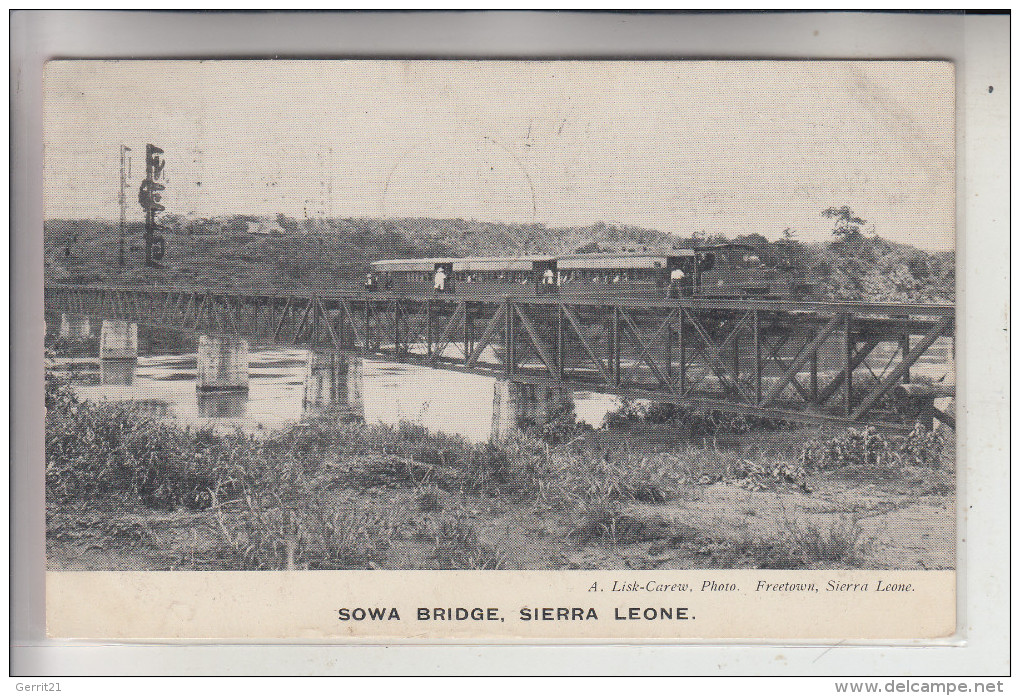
x: 732, y: 270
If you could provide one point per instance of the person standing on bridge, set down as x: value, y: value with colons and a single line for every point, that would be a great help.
x: 676, y: 279
x: 547, y: 281
x: 440, y: 280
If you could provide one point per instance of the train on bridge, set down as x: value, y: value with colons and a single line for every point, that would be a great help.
x: 819, y: 362
x: 725, y: 270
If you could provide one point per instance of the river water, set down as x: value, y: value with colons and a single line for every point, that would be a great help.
x: 441, y: 400
x: 164, y: 376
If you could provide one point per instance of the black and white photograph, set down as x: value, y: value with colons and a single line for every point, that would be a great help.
x: 510, y: 343
x: 484, y: 315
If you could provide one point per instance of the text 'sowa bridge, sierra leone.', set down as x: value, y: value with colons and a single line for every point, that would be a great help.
x: 822, y: 362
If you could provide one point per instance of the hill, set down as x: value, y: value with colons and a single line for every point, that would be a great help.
x: 285, y: 254
x: 244, y: 251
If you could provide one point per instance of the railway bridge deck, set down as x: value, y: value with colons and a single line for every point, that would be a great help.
x: 822, y: 362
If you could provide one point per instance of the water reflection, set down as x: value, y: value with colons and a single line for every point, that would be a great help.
x: 221, y: 404
x: 118, y: 372
x: 334, y: 386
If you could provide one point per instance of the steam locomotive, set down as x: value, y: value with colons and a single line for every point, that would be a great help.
x: 725, y: 270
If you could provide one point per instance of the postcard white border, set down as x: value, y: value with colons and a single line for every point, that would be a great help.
x: 978, y: 44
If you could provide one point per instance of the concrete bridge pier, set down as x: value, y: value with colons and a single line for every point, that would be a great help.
x: 118, y: 340
x: 335, y: 384
x: 222, y: 364
x: 517, y: 403
x: 75, y: 327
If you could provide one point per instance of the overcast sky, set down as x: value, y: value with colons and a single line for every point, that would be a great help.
x: 731, y: 147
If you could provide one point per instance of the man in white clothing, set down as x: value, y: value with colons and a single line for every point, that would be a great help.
x: 676, y: 279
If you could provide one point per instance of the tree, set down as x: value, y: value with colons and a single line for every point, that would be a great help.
x: 175, y: 222
x: 846, y: 224
x: 754, y: 239
x: 288, y: 224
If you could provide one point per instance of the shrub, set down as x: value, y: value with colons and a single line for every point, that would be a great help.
x: 601, y: 519
x: 321, y: 533
x: 98, y: 451
x: 593, y: 477
x: 757, y: 476
x: 609, y: 521
x: 869, y: 449
x: 841, y: 541
x: 563, y: 428
x: 692, y: 422
x: 458, y: 546
x: 800, y: 543
x: 430, y: 499
x: 409, y: 457
x: 772, y: 553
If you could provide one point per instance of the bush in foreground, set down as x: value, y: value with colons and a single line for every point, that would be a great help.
x: 867, y: 449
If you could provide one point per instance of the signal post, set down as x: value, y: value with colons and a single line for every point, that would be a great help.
x: 149, y: 197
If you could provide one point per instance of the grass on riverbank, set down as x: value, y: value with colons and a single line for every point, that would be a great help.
x: 332, y: 495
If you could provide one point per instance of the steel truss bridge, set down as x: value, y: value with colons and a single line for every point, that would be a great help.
x: 822, y: 362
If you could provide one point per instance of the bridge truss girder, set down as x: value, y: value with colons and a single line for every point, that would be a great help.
x: 812, y: 364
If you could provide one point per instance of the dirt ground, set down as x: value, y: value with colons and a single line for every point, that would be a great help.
x: 902, y: 519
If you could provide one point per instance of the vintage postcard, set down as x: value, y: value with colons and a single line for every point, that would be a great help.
x: 450, y: 350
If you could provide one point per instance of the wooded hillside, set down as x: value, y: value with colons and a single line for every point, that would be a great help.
x: 283, y: 253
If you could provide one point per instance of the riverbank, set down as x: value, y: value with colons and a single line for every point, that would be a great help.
x: 129, y: 490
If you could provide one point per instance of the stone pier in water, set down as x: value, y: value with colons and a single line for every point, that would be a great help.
x: 334, y: 385
x: 118, y: 340
x: 222, y: 364
x: 75, y: 327
x: 516, y: 403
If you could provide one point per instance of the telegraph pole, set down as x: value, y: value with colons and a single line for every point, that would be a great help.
x: 329, y: 189
x: 123, y: 204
